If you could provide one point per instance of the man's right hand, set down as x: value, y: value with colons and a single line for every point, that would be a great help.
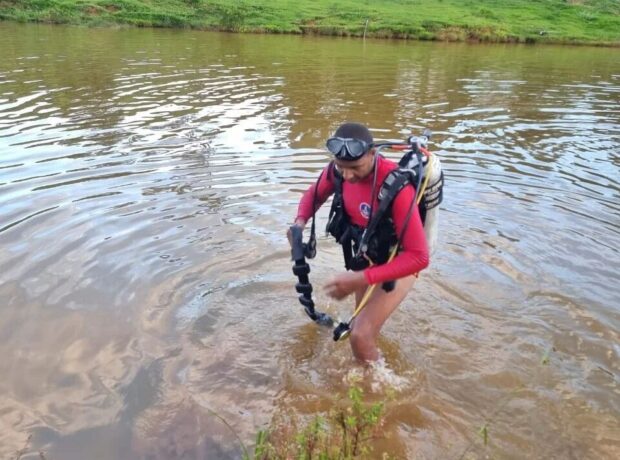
x: 298, y: 223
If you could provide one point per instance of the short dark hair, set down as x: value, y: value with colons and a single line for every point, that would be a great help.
x: 354, y: 131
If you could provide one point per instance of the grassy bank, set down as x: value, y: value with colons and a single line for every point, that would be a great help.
x: 551, y: 21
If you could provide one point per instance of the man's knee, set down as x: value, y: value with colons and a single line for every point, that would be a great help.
x: 363, y: 343
x: 361, y: 334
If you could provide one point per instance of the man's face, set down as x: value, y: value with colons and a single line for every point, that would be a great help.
x: 354, y: 171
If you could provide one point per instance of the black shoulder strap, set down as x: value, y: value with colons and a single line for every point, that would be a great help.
x: 310, y: 247
x: 335, y: 174
x: 337, y: 178
x: 394, y: 182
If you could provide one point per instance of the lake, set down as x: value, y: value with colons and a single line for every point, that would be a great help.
x: 147, y: 179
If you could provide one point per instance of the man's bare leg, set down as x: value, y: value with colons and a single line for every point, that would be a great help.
x: 367, y: 325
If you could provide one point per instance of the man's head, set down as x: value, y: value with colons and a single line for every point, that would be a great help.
x: 351, y: 145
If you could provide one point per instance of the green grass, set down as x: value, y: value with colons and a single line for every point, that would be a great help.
x: 552, y: 21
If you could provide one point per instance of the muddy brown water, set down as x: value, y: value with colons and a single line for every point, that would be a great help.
x: 146, y: 181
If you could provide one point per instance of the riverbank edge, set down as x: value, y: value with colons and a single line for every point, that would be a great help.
x: 452, y: 34
x: 449, y: 33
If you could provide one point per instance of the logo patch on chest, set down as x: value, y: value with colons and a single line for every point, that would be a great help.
x: 365, y: 210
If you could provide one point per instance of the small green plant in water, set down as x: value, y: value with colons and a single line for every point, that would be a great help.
x: 484, y: 432
x: 545, y: 358
x: 344, y: 434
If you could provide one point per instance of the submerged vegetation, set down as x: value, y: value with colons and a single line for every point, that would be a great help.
x: 551, y: 21
x: 344, y: 434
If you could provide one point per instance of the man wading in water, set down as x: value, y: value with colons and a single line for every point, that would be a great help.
x: 355, y: 177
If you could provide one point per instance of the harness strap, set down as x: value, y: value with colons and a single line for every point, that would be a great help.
x: 392, y: 185
x: 346, y: 239
x: 347, y: 247
x: 332, y: 209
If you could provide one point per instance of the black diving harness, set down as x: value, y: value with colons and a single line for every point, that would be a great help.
x: 301, y: 250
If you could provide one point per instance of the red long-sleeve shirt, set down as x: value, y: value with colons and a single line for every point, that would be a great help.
x: 413, y: 256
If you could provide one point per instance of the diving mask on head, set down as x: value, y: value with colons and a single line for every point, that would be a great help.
x: 347, y: 148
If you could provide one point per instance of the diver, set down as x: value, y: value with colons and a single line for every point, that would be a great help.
x: 383, y: 243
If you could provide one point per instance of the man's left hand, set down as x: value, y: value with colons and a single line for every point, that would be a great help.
x: 344, y: 284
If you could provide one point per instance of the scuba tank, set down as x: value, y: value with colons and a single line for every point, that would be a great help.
x: 432, y: 197
x: 433, y: 192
